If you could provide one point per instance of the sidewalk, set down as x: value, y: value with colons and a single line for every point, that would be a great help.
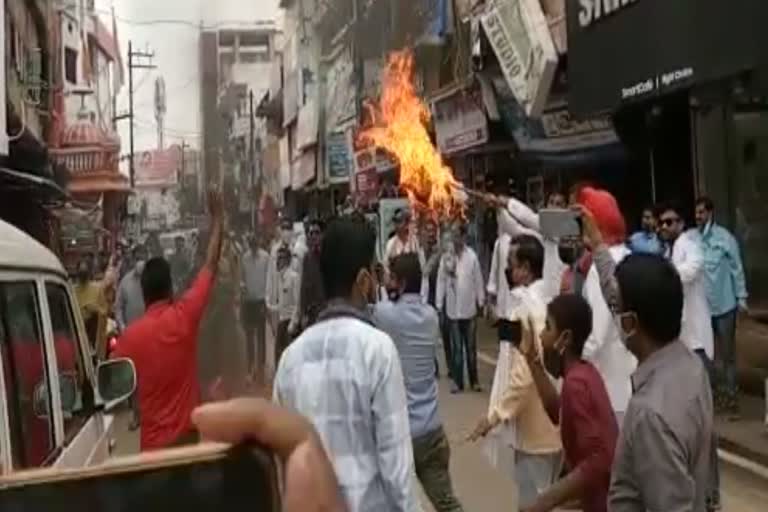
x: 747, y: 437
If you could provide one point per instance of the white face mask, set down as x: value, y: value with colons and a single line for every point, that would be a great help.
x: 624, y: 334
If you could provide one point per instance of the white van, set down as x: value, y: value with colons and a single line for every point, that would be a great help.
x: 54, y: 403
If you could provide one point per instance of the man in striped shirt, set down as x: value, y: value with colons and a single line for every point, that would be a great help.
x: 344, y: 375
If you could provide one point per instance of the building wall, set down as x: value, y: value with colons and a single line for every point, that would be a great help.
x: 27, y: 49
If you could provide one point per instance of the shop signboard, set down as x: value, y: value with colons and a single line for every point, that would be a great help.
x: 556, y: 132
x: 158, y: 168
x: 338, y: 155
x: 634, y: 50
x: 460, y: 121
x: 307, y: 126
x: 520, y: 37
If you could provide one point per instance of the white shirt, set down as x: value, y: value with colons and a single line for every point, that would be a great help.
x: 344, y: 375
x: 497, y: 278
x: 518, y: 219
x: 396, y: 247
x: 604, y: 347
x: 254, y: 269
x: 696, y: 330
x: 287, y: 295
x: 460, y: 283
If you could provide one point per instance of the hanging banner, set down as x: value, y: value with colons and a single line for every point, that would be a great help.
x: 308, y: 125
x: 460, y: 121
x: 341, y: 90
x: 285, y: 163
x: 158, y: 168
x: 520, y: 37
x: 303, y: 169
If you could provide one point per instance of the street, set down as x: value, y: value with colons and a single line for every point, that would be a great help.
x: 483, y: 489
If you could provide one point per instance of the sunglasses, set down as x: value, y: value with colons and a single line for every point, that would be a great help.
x: 669, y: 222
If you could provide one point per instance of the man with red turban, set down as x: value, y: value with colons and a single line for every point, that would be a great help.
x: 604, y: 347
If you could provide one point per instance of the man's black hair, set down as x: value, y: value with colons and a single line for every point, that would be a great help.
x: 670, y: 206
x: 286, y: 223
x: 571, y: 312
x: 139, y: 249
x: 529, y: 250
x: 650, y: 287
x: 348, y: 247
x: 651, y: 208
x: 156, y: 283
x: 407, y: 268
x: 706, y: 202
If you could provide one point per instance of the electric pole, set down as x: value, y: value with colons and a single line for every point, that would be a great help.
x: 136, y: 60
x: 252, y: 159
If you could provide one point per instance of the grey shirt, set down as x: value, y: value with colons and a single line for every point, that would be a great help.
x: 663, y: 454
x: 129, y: 303
x: 254, y: 269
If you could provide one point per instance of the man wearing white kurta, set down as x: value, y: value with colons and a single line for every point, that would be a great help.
x: 604, y: 347
x: 461, y: 294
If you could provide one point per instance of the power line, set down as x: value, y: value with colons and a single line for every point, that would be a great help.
x: 191, y: 23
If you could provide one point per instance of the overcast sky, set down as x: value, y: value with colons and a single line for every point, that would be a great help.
x: 176, y: 58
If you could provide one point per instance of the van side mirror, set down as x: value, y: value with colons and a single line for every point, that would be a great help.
x: 67, y: 391
x: 116, y: 381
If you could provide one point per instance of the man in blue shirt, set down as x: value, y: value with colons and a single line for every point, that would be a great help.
x: 727, y: 296
x: 646, y: 241
x: 414, y: 327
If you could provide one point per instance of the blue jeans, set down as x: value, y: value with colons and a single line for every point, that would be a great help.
x: 463, y: 339
x: 725, y: 379
x: 713, y: 495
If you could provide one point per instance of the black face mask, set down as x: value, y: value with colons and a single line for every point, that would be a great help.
x: 509, y: 274
x: 553, y: 362
x: 568, y: 254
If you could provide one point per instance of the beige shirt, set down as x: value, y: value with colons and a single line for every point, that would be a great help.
x: 520, y: 400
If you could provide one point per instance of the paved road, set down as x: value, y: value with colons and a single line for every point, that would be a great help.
x: 483, y: 489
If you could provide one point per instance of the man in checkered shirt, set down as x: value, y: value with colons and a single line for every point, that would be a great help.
x: 344, y: 375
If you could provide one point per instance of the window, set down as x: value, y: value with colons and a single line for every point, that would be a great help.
x: 69, y: 359
x: 23, y: 358
x: 70, y: 65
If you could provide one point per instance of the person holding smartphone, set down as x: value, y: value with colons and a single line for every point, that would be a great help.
x: 536, y: 440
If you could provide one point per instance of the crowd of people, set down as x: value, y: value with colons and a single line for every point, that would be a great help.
x: 604, y: 384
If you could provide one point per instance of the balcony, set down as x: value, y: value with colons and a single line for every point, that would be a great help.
x: 83, y: 161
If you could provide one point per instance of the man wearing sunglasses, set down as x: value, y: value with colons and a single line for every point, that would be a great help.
x: 684, y: 251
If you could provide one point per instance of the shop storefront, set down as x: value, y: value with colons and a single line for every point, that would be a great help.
x: 686, y: 84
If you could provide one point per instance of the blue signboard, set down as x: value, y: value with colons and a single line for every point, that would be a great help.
x: 338, y: 157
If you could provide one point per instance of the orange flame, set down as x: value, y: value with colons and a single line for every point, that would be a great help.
x: 400, y: 123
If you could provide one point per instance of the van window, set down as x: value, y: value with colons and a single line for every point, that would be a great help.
x: 69, y: 359
x: 25, y: 371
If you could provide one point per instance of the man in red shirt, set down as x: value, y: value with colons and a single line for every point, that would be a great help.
x: 163, y: 344
x: 583, y: 410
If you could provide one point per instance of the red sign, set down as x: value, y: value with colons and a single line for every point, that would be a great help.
x: 158, y: 168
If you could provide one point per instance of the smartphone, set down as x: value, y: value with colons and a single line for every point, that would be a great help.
x: 556, y: 223
x: 206, y: 477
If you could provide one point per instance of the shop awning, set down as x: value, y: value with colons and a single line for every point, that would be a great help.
x: 23, y: 180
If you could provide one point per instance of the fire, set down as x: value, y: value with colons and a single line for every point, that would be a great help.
x: 399, y: 126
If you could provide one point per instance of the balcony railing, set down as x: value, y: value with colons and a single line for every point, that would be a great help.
x: 82, y: 161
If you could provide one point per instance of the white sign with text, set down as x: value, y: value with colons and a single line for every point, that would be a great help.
x: 520, y: 37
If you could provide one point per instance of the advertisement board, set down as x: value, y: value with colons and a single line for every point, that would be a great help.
x: 158, y: 167
x: 520, y: 37
x: 338, y: 155
x: 460, y: 121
